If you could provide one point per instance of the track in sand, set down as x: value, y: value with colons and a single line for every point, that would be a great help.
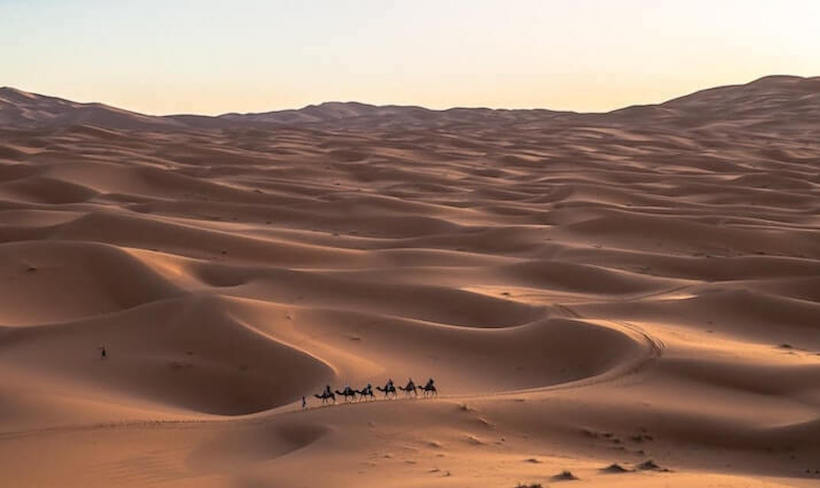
x: 586, y: 289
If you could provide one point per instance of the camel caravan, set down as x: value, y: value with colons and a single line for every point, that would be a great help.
x: 366, y: 393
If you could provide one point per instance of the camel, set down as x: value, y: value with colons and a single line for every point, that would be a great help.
x: 325, y: 396
x: 411, y: 387
x: 388, y: 389
x: 347, y: 392
x: 365, y: 392
x: 429, y: 388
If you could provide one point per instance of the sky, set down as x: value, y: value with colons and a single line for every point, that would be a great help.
x: 212, y: 57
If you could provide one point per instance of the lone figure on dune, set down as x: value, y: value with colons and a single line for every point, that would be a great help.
x: 103, y: 354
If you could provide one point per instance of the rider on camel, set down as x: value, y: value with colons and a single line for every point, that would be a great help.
x: 411, y: 386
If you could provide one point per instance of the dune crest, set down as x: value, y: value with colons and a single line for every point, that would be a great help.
x: 629, y: 297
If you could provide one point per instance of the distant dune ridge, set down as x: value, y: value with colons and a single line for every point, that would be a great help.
x: 787, y: 98
x: 628, y: 298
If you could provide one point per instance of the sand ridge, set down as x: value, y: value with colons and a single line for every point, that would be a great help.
x: 586, y: 289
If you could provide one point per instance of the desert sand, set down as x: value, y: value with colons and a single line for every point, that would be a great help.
x: 639, y: 288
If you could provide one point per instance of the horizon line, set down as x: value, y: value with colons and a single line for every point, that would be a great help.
x: 317, y: 104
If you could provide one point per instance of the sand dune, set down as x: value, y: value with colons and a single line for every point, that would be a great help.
x: 22, y: 109
x: 639, y: 288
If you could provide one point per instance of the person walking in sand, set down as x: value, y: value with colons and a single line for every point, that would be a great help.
x: 304, y: 402
x: 103, y: 353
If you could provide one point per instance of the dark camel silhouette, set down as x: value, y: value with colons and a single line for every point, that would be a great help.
x: 326, y: 395
x: 347, y: 392
x: 365, y: 392
x: 388, y: 389
x: 411, y: 387
x: 429, y: 388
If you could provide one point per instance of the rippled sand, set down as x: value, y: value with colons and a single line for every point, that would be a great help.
x: 585, y: 290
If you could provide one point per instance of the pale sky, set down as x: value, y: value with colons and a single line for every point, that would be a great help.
x: 211, y: 57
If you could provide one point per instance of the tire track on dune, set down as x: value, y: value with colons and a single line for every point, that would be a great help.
x: 654, y: 348
x: 655, y: 345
